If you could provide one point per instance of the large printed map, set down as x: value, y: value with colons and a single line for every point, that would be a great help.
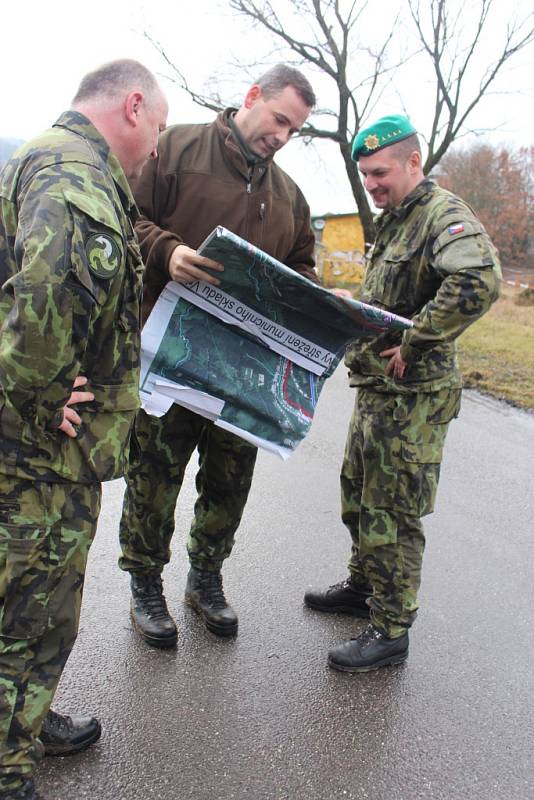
x: 253, y: 353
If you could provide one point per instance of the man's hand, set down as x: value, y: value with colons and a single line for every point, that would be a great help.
x: 70, y: 417
x: 396, y: 364
x: 186, y: 265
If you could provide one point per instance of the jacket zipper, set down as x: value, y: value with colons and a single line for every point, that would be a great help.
x: 261, y: 209
x: 262, y: 218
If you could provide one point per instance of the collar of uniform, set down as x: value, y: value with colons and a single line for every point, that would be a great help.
x: 402, y: 211
x: 81, y: 125
x: 251, y: 158
x: 399, y: 213
x: 232, y: 145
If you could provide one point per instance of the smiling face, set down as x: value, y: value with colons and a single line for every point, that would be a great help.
x: 268, y: 123
x: 389, y: 176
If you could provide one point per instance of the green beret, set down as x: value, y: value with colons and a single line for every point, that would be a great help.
x: 385, y: 131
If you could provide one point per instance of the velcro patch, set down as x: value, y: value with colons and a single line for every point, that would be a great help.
x: 458, y: 228
x: 103, y: 255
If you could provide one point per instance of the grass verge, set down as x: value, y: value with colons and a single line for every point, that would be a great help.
x: 497, y: 353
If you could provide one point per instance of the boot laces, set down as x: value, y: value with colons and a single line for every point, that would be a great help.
x: 338, y: 587
x: 348, y: 583
x: 212, y: 587
x: 58, y: 723
x: 153, y: 597
x: 370, y: 634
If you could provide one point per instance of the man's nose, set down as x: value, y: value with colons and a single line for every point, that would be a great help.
x: 369, y: 183
x: 282, y: 137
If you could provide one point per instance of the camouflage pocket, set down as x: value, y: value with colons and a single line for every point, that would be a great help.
x: 417, y: 479
x: 10, y: 434
x: 394, y: 281
x: 99, y: 451
x: 24, y: 581
x: 419, y: 450
x: 444, y: 406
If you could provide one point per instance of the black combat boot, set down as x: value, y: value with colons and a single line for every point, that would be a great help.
x: 62, y: 735
x: 346, y: 597
x: 204, y: 592
x: 26, y: 792
x: 370, y: 650
x: 149, y: 612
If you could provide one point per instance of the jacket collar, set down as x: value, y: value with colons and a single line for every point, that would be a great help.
x: 80, y: 125
x: 232, y: 146
x: 401, y: 211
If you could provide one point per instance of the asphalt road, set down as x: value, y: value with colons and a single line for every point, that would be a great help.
x: 261, y: 716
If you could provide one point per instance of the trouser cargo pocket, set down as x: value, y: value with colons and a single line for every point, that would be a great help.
x: 422, y: 421
x: 24, y: 581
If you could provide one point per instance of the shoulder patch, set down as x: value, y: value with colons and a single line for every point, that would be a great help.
x: 103, y: 255
x: 453, y: 229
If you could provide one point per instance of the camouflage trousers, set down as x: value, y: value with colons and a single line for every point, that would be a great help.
x: 160, y: 450
x: 46, y: 530
x: 389, y: 480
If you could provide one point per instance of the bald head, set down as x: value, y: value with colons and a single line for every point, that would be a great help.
x: 106, y: 85
x: 125, y: 103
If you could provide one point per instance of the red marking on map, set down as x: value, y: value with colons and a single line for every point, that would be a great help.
x: 286, y: 397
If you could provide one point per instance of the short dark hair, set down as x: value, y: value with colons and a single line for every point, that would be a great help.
x: 277, y: 78
x: 402, y: 150
x: 108, y: 81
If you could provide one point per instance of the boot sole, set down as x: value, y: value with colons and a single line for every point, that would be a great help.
x: 354, y: 612
x: 218, y: 630
x: 385, y: 662
x: 154, y: 641
x: 73, y: 749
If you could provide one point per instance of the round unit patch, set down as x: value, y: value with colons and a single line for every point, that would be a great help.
x: 103, y: 255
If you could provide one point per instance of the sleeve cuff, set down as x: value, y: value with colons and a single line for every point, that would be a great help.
x: 169, y: 248
x: 408, y: 353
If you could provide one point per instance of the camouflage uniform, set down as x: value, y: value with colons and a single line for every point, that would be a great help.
x: 70, y: 278
x: 159, y: 453
x: 434, y: 263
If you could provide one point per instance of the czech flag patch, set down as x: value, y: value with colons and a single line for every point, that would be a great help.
x: 458, y: 228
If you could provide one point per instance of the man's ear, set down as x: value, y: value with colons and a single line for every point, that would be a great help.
x: 253, y: 94
x: 132, y: 106
x: 414, y: 161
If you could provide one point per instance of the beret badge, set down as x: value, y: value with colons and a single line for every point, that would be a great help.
x: 371, y: 142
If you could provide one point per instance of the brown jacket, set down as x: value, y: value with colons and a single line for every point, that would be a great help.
x: 200, y: 180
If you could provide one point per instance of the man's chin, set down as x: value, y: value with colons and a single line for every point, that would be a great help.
x: 263, y: 151
x: 380, y: 202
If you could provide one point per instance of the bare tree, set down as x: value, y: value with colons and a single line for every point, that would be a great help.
x: 325, y: 35
x: 330, y: 50
x: 451, y: 51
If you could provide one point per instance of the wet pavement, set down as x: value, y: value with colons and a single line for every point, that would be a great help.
x: 260, y: 716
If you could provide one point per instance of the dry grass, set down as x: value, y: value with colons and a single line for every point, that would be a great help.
x: 497, y: 352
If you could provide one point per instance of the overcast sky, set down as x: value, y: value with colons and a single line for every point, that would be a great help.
x: 47, y: 47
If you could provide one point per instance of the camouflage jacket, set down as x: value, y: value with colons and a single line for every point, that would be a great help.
x: 433, y: 262
x: 70, y: 285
